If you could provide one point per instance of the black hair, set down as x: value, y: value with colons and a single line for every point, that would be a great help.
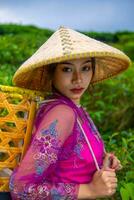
x: 93, y: 66
x: 51, y: 69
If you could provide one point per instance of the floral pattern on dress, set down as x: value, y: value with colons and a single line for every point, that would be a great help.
x: 33, y: 179
x: 80, y: 142
x: 59, y: 191
x: 48, y: 146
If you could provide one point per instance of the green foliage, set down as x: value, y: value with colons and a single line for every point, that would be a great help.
x: 129, y: 49
x: 127, y: 192
x: 17, y: 43
x: 105, y: 37
x: 113, y: 102
x: 121, y: 143
x: 14, y: 29
x: 110, y: 104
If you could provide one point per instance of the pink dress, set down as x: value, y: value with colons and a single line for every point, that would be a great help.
x: 58, y: 159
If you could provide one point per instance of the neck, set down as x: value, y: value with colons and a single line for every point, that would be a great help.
x: 75, y: 101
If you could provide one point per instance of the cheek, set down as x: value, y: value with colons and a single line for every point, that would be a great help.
x: 64, y: 77
x: 88, y: 78
x: 56, y: 76
x: 60, y: 79
x: 91, y: 74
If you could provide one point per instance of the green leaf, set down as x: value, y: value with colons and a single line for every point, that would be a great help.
x: 124, y: 141
x: 115, y: 134
x: 130, y: 189
x: 124, y: 194
x: 130, y: 176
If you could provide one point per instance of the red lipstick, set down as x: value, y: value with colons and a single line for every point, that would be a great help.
x: 77, y: 90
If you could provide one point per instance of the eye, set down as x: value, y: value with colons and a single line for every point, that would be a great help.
x: 86, y: 68
x: 66, y: 69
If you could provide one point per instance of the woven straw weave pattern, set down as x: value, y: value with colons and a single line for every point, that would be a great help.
x: 17, y: 113
x: 66, y: 44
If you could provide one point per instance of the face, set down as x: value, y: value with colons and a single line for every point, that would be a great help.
x: 73, y: 77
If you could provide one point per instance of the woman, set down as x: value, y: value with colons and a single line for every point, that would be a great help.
x: 66, y: 158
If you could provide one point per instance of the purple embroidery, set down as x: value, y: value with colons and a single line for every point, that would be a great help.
x: 48, y: 146
x: 44, y: 173
x: 80, y: 141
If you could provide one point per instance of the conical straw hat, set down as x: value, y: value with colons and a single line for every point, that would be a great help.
x: 66, y: 44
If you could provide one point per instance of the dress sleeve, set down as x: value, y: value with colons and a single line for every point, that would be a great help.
x: 29, y: 180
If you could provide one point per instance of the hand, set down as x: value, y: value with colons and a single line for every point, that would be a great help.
x: 111, y: 161
x: 104, y: 183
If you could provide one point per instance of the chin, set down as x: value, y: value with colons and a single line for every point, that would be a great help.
x: 76, y: 96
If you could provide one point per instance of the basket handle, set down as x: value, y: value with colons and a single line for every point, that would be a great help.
x: 89, y: 145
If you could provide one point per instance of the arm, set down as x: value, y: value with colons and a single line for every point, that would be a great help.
x: 30, y: 179
x: 85, y: 192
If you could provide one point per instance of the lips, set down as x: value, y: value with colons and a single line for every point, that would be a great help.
x: 77, y: 90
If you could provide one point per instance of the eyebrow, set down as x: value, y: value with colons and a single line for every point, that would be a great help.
x: 72, y: 64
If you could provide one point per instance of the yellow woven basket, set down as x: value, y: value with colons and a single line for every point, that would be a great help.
x: 17, y: 111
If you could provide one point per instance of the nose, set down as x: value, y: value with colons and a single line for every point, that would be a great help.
x: 77, y: 78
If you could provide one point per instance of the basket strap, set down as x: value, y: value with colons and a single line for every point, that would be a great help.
x: 85, y: 136
x: 89, y: 145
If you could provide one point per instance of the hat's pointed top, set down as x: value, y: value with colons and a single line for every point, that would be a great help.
x: 61, y: 27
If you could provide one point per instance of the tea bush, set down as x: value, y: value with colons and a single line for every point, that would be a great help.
x: 110, y: 103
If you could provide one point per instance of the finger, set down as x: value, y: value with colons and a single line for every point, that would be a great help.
x: 111, y: 180
x: 113, y: 191
x: 114, y: 185
x: 114, y: 182
x: 109, y: 173
x: 119, y: 167
x: 115, y: 163
x: 107, y: 168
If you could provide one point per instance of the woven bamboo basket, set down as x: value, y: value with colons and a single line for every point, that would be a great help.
x: 17, y: 111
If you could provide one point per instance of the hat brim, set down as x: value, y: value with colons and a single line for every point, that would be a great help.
x: 67, y: 44
x: 106, y: 66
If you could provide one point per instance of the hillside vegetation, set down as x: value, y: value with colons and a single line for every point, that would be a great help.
x: 110, y: 103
